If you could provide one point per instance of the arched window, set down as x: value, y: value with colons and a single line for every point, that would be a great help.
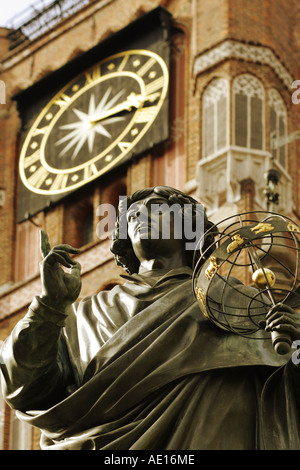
x: 278, y: 126
x: 248, y: 96
x: 215, y: 116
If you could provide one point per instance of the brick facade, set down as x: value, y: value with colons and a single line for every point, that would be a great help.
x: 197, y: 28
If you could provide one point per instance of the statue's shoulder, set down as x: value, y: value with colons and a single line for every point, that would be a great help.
x: 96, y: 301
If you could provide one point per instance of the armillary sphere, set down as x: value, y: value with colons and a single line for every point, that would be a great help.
x: 252, y: 265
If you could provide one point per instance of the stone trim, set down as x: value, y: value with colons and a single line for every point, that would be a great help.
x: 224, y: 172
x: 231, y: 49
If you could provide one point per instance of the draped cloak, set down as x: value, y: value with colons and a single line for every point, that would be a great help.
x: 140, y: 367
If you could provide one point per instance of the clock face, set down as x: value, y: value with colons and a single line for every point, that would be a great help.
x: 94, y: 122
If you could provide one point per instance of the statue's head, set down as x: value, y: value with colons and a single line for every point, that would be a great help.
x: 161, y: 215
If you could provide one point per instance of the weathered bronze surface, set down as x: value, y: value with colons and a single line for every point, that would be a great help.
x: 139, y: 366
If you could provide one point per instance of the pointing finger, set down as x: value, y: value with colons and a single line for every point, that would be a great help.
x: 44, y: 243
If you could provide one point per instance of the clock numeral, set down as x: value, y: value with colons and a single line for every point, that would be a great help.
x: 144, y: 69
x: 124, y: 145
x: 60, y: 182
x: 63, y: 100
x: 90, y: 170
x: 42, y: 130
x: 38, y: 177
x: 155, y: 85
x: 123, y: 63
x: 28, y: 161
x: 145, y: 114
x: 93, y: 74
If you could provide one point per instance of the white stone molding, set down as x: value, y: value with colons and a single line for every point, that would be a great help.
x: 275, y: 101
x: 231, y: 49
x: 247, y: 84
x: 217, y: 89
x: 224, y: 172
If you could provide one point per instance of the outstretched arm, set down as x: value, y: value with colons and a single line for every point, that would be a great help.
x: 34, y: 358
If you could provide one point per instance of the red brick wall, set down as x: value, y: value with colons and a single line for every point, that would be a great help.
x: 270, y: 23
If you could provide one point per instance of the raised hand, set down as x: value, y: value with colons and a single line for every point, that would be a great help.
x: 59, y: 288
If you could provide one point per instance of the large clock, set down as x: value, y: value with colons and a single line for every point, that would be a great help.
x: 94, y: 122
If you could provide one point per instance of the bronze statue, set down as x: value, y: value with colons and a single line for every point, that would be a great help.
x: 139, y: 366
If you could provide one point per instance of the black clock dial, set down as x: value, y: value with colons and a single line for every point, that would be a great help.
x: 95, y: 119
x: 94, y: 122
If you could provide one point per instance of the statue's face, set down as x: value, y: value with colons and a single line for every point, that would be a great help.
x: 153, y: 227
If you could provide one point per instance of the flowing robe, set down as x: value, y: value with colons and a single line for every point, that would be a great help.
x: 140, y: 367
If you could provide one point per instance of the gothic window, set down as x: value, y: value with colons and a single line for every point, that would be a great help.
x: 278, y: 126
x: 248, y: 112
x: 215, y: 116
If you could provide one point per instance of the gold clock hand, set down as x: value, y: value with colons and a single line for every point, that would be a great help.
x: 133, y: 101
x: 124, y: 106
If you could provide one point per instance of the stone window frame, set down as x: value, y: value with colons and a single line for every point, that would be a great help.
x: 217, y: 89
x: 250, y: 86
x: 277, y: 103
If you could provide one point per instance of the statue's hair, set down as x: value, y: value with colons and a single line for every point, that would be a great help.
x: 122, y: 247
